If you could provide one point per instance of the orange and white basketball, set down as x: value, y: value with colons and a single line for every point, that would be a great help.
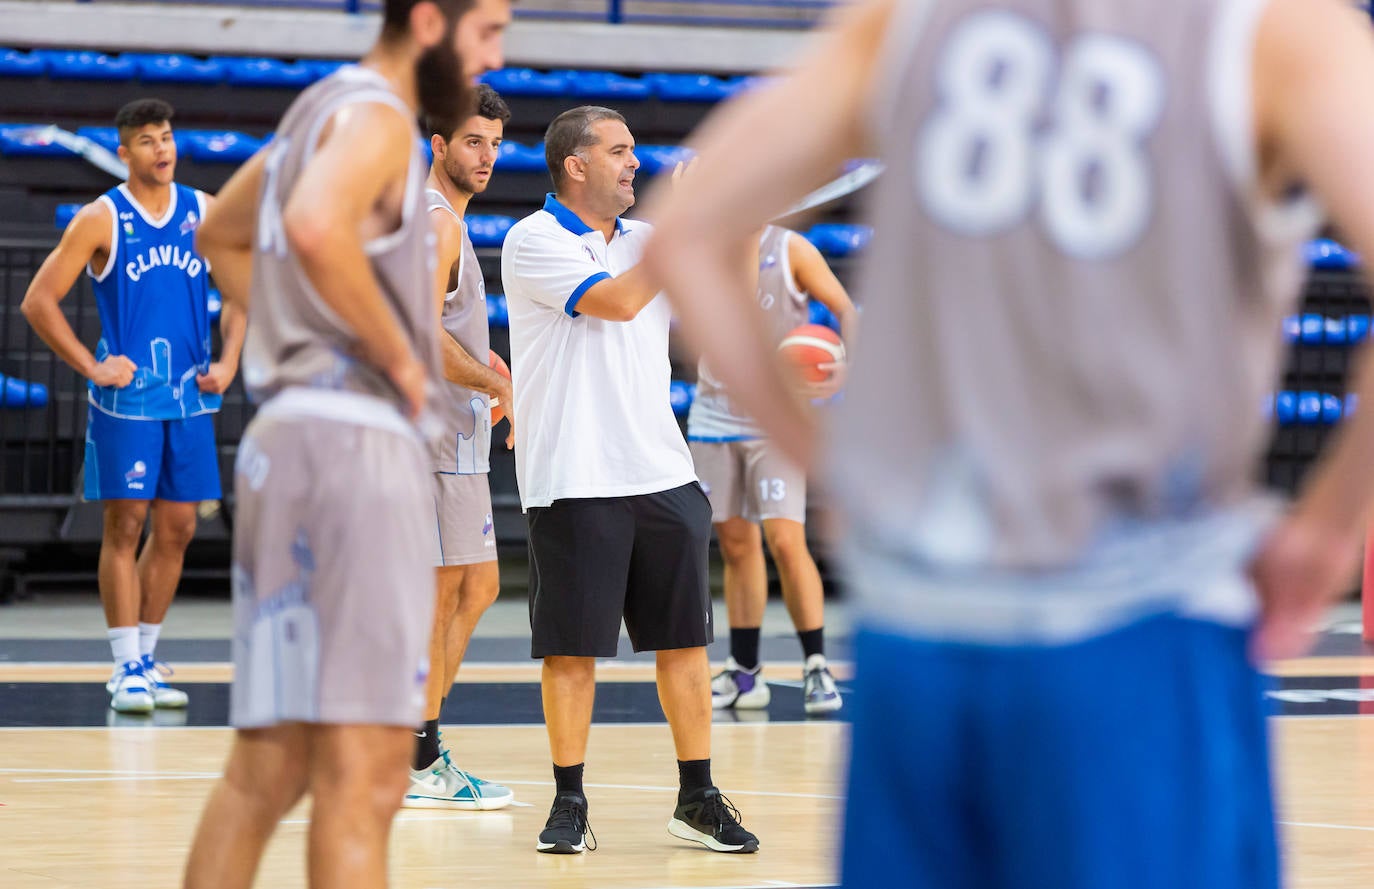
x: 809, y: 346
x: 496, y: 363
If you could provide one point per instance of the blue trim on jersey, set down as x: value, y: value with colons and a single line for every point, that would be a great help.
x: 570, y: 220
x: 154, y: 309
x: 571, y: 305
x: 722, y: 439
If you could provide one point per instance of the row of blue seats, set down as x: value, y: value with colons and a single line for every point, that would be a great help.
x: 1308, y: 408
x: 265, y: 72
x: 1312, y: 329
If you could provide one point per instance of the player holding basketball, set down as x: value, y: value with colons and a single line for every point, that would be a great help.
x: 750, y: 483
x: 468, y: 582
x: 1086, y: 238
x: 618, y: 526
x: 333, y: 584
x: 150, y: 433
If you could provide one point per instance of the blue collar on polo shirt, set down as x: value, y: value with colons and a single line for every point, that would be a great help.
x: 570, y: 220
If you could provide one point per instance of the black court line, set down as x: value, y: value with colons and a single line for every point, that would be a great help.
x: 86, y: 704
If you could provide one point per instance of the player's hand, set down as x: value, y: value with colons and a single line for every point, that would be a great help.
x: 217, y: 379
x: 826, y: 389
x: 408, y: 376
x: 116, y: 372
x: 1300, y: 569
x: 510, y: 434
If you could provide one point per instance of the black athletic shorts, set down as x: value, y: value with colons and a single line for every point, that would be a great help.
x: 596, y: 560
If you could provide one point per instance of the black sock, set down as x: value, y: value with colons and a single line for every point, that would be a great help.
x: 744, y: 646
x: 813, y: 642
x: 693, y: 774
x: 569, y: 779
x: 427, y: 744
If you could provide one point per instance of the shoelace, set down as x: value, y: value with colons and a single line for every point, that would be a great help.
x: 161, y: 669
x: 574, y: 817
x: 721, y: 813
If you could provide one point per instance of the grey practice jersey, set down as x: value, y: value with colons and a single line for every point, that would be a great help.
x: 1073, y: 295
x: 712, y: 417
x: 465, y: 446
x: 294, y: 338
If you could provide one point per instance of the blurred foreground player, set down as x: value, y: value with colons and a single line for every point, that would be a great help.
x: 333, y: 588
x: 465, y: 543
x: 1085, y: 242
x: 751, y: 485
x: 153, y: 388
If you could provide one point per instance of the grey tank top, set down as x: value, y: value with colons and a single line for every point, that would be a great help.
x: 465, y: 446
x: 712, y: 417
x: 294, y: 339
x: 1072, y: 300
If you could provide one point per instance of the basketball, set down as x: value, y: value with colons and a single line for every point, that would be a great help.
x: 496, y: 363
x: 809, y: 346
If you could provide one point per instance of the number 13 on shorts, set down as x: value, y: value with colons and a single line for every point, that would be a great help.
x: 1011, y: 130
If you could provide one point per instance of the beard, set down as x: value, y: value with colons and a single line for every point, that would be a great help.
x: 444, y: 93
x: 464, y: 180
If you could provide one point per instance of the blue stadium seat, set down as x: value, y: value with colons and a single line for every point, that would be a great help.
x: 1313, y: 330
x: 14, y: 63
x: 1335, y: 333
x: 65, y: 65
x: 680, y: 395
x: 1309, y: 408
x: 1286, y: 407
x: 16, y: 393
x: 527, y: 82
x: 176, y: 68
x: 267, y: 72
x: 835, y: 239
x: 820, y: 314
x: 655, y: 159
x: 488, y: 231
x: 1324, y: 253
x: 225, y: 146
x: 1331, y: 409
x: 689, y: 87
x: 65, y: 213
x: 512, y: 157
x: 105, y: 137
x: 498, y: 313
x: 24, y: 140
x: 322, y: 68
x: 605, y: 85
x: 1356, y: 328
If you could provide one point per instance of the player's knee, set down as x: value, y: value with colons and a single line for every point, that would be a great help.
x: 738, y: 541
x: 476, y: 598
x: 788, y: 544
x: 363, y: 785
x: 124, y: 526
x: 271, y: 790
x: 176, y: 532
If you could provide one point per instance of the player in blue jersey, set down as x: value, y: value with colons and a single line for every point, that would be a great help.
x: 150, y: 437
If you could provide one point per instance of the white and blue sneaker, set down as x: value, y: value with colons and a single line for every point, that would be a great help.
x: 164, y: 696
x: 129, y: 689
x: 739, y: 689
x: 445, y: 786
x: 819, y: 694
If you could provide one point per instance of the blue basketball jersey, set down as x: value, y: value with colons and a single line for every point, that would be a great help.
x: 153, y: 302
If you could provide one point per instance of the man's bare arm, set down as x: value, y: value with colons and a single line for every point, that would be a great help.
x: 87, y: 235
x: 754, y: 162
x: 469, y: 371
x: 234, y: 265
x: 621, y: 298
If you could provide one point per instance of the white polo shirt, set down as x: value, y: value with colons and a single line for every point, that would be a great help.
x: 591, y: 396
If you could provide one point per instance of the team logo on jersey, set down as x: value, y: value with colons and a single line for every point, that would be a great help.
x: 129, y: 229
x: 487, y: 526
x: 131, y: 478
x: 190, y: 223
x: 767, y: 262
x: 164, y: 255
x: 590, y: 254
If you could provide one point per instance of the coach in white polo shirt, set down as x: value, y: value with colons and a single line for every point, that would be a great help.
x: 618, y: 526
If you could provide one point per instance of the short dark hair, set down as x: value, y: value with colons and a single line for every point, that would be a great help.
x: 141, y: 112
x: 488, y: 104
x: 396, y: 14
x: 570, y: 133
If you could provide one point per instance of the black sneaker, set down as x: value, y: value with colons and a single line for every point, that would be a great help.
x: 709, y: 818
x: 566, y: 830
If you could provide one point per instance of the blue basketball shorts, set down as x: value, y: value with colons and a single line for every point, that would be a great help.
x: 1134, y: 760
x: 146, y: 459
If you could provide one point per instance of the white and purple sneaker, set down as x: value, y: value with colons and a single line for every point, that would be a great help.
x: 738, y: 689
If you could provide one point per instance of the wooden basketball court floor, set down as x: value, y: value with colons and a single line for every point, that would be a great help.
x: 92, y: 799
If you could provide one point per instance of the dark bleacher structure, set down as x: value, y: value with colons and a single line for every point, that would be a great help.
x: 226, y: 108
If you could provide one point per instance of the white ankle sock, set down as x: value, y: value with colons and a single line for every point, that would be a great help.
x: 123, y: 644
x: 147, y: 637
